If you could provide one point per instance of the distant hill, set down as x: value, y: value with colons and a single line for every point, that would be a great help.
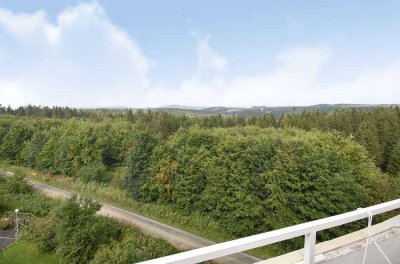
x: 261, y: 110
x: 183, y: 107
x: 242, y: 111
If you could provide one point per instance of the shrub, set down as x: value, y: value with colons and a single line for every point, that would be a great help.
x: 95, y: 172
x: 16, y: 184
x: 36, y: 204
x: 73, y: 230
x: 42, y: 232
x: 134, y: 248
x: 5, y: 224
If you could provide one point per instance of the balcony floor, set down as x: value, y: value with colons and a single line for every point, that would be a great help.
x: 390, y: 246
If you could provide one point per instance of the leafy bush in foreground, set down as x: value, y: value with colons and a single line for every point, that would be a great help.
x: 77, y: 235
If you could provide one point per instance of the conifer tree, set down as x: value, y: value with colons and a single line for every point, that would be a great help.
x: 368, y: 135
x: 139, y: 160
x: 394, y: 160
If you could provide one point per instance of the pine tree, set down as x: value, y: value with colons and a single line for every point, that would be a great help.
x: 368, y: 135
x: 139, y: 161
x: 394, y: 160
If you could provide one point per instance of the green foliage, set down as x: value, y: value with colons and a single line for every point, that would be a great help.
x: 15, y: 192
x: 368, y: 135
x: 243, y: 176
x: 95, y: 171
x: 42, y: 233
x: 73, y: 231
x: 377, y: 129
x: 36, y: 204
x: 16, y: 184
x: 72, y: 142
x: 239, y: 176
x: 13, y: 141
x: 32, y: 149
x: 139, y: 160
x: 133, y: 248
x: 5, y: 224
x: 77, y: 235
x: 394, y: 160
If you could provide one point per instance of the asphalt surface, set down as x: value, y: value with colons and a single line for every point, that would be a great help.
x: 6, y: 238
x: 390, y: 247
x: 179, y: 238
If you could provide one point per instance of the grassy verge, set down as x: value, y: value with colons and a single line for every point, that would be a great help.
x: 193, y: 223
x: 21, y: 252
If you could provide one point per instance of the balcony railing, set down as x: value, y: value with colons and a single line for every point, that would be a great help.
x: 308, y: 230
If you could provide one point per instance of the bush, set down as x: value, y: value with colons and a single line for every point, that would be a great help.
x: 73, y: 231
x: 15, y: 192
x: 95, y: 172
x: 42, y: 232
x: 16, y: 184
x: 36, y: 204
x: 77, y: 235
x: 134, y: 248
x: 5, y: 224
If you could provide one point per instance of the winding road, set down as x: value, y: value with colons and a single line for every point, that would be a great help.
x: 179, y: 238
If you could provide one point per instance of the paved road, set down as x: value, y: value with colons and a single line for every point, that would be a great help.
x: 179, y: 238
x: 390, y: 246
x: 7, y: 237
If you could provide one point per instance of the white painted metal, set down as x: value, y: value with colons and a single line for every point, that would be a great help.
x: 309, y: 247
x: 16, y: 220
x: 317, y: 259
x: 255, y: 241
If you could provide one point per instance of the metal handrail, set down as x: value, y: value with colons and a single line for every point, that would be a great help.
x: 308, y: 230
x: 20, y: 214
x: 23, y: 218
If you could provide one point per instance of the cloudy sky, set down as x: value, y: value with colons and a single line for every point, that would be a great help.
x: 203, y: 53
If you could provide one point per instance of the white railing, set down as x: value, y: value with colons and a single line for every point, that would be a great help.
x: 308, y: 230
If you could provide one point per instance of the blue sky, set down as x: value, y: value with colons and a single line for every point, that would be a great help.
x: 235, y: 53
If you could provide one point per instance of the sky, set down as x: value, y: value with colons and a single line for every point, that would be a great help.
x: 199, y: 53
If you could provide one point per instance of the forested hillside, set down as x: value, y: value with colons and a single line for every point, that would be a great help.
x: 250, y: 174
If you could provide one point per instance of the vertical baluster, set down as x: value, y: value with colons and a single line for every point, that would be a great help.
x: 309, y: 248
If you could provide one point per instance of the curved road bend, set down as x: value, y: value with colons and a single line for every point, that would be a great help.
x: 176, y: 237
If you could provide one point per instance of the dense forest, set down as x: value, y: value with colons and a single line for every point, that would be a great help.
x: 251, y: 174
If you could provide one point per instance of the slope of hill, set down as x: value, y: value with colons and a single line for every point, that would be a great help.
x: 262, y: 110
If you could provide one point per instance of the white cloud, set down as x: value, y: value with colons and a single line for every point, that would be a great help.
x: 207, y: 58
x: 295, y: 80
x: 83, y: 59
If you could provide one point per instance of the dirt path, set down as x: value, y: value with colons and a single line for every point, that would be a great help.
x: 176, y: 237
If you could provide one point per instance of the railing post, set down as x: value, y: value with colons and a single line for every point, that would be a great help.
x: 309, y: 247
x: 16, y: 220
